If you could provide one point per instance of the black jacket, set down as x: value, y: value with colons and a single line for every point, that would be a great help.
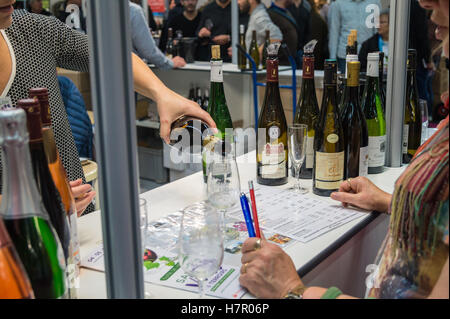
x: 369, y: 46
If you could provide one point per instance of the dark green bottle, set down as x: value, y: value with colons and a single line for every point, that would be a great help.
x: 328, y: 172
x: 24, y: 216
x: 266, y: 46
x: 217, y: 107
x: 308, y: 108
x: 254, y: 50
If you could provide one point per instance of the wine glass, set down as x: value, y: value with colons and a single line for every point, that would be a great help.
x: 143, y: 215
x: 224, y: 185
x: 297, y: 135
x: 200, y: 243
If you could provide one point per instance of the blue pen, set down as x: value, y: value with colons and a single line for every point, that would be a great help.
x: 247, y: 215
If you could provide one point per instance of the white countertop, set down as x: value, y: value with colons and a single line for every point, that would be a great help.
x: 181, y: 193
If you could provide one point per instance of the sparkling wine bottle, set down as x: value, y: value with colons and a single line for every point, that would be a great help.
x: 272, y: 152
x: 50, y: 195
x: 356, y: 136
x: 61, y: 181
x: 242, y: 59
x: 328, y: 172
x: 254, y: 50
x: 24, y: 215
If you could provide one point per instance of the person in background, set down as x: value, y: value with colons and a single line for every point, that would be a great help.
x: 418, y: 40
x: 62, y: 15
x: 188, y: 22
x: 35, y: 6
x: 415, y: 257
x: 151, y: 19
x: 322, y: 7
x: 144, y: 45
x: 343, y: 16
x: 377, y: 43
x: 301, y: 11
x: 319, y: 31
x: 259, y: 21
x: 175, y: 9
x: 215, y: 28
x: 284, y: 20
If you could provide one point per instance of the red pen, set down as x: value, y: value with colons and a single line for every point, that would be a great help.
x: 254, y: 211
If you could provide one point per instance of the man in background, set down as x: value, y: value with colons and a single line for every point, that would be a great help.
x: 143, y: 43
x: 301, y: 11
x: 343, y: 16
x: 284, y: 20
x: 260, y: 22
x: 35, y: 6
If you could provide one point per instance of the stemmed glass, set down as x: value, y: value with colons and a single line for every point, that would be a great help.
x: 200, y: 243
x: 224, y: 185
x: 143, y: 223
x: 297, y: 135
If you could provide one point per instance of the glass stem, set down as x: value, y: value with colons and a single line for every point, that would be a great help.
x: 297, y: 176
x: 201, y: 291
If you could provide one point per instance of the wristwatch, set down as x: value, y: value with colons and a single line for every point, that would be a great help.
x: 296, y: 293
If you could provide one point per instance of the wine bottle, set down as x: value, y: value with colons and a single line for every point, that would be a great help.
x: 272, y: 152
x: 345, y: 89
x: 372, y: 105
x: 354, y: 126
x: 206, y: 99
x: 192, y: 93
x: 14, y: 282
x: 381, y: 76
x: 169, y: 45
x: 25, y: 218
x: 412, y: 128
x: 50, y: 195
x: 61, y: 181
x: 217, y: 107
x: 254, y: 50
x: 308, y: 109
x: 351, y: 55
x: 242, y: 59
x: 200, y: 98
x: 265, y: 47
x: 328, y: 171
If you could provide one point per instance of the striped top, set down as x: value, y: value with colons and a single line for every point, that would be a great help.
x: 417, y: 245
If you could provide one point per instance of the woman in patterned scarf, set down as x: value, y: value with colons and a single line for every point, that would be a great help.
x: 32, y: 46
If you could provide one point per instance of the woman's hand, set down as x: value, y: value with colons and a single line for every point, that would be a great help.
x: 172, y: 106
x: 362, y: 193
x: 267, y: 272
x: 83, y: 195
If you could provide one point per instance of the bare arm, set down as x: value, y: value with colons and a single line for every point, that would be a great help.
x: 440, y: 290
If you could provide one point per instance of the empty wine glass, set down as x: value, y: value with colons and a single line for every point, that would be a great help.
x: 200, y: 243
x: 143, y: 214
x: 297, y: 135
x: 224, y: 185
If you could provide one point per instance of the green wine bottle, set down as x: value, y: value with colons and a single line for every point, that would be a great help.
x: 328, y: 172
x: 254, y: 50
x: 272, y: 146
x: 412, y: 128
x: 308, y: 109
x: 372, y: 105
x: 265, y: 47
x: 24, y: 216
x: 356, y: 136
x: 218, y: 108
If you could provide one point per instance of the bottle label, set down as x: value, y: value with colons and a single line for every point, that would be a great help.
x: 373, y: 69
x: 309, y: 152
x: 333, y: 138
x: 405, y: 138
x: 273, y: 161
x: 364, y: 161
x: 216, y: 72
x: 377, y: 151
x: 272, y: 70
x: 308, y: 68
x: 329, y: 172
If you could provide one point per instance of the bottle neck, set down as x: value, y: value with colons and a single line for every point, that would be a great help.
x: 272, y: 72
x: 216, y: 71
x: 21, y: 198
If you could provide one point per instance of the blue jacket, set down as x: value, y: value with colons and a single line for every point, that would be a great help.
x: 79, y: 120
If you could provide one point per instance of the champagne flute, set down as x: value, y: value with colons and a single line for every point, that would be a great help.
x: 224, y: 185
x: 200, y: 243
x: 297, y: 135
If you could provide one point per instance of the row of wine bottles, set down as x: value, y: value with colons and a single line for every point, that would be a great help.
x: 39, y: 247
x: 253, y: 50
x: 200, y: 96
